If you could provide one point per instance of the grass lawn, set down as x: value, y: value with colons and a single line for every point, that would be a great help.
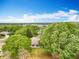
x: 38, y: 53
x: 1, y: 57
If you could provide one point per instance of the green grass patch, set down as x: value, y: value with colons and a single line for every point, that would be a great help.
x: 38, y: 53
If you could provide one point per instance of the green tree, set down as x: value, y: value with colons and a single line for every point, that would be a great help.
x: 25, y: 32
x: 10, y: 28
x: 15, y: 43
x: 61, y: 39
x: 28, y: 31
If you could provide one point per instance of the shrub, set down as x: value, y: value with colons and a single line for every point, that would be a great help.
x: 16, y: 42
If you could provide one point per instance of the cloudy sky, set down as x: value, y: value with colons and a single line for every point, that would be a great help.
x: 36, y: 11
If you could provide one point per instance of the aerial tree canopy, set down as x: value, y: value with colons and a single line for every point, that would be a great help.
x: 61, y: 39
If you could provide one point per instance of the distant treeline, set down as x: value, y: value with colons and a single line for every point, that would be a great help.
x: 24, y: 23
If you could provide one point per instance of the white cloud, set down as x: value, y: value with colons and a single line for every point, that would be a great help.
x: 11, y: 17
x: 74, y: 18
x: 72, y: 11
x: 71, y: 15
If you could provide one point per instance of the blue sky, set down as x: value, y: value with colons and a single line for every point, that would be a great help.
x: 38, y: 10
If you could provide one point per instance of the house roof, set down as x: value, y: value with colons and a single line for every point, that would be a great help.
x: 4, y: 32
